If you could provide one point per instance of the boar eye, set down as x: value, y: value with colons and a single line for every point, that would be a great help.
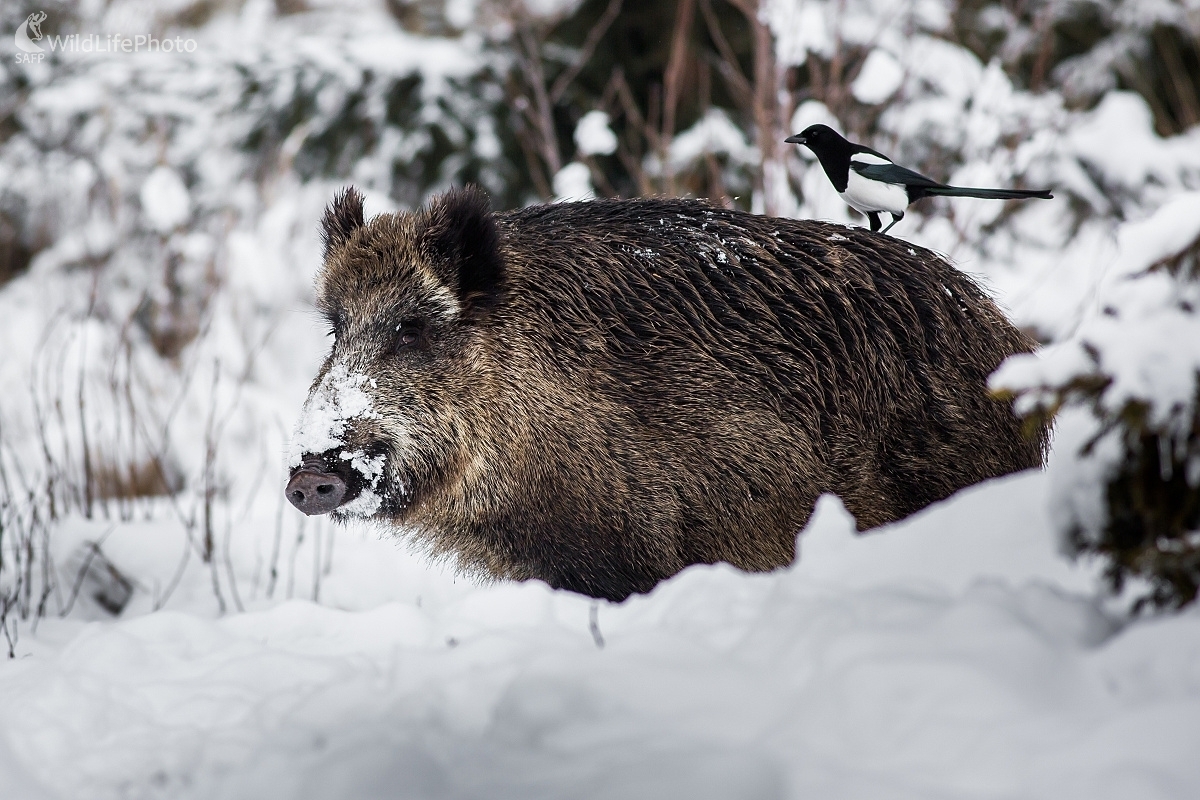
x: 408, y: 336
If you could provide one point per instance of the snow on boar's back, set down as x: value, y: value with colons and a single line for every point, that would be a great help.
x: 600, y: 394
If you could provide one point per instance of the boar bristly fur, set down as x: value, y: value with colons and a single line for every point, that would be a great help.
x: 599, y: 394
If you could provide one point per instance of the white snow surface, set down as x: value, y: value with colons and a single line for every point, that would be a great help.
x: 952, y: 655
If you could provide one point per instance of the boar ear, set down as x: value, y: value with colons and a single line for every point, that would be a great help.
x: 460, y: 237
x: 342, y: 217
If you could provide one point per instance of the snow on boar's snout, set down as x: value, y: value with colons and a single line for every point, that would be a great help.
x: 337, y: 460
x: 599, y: 394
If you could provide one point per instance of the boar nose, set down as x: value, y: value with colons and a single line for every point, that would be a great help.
x: 315, y: 492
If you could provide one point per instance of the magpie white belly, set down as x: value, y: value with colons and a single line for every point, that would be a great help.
x: 865, y: 195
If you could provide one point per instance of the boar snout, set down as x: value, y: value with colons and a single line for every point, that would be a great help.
x: 314, y: 491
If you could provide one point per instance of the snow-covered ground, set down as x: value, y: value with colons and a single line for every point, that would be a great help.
x: 953, y: 655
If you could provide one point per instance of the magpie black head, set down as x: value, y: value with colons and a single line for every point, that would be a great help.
x: 822, y: 140
x: 832, y: 151
x: 816, y: 135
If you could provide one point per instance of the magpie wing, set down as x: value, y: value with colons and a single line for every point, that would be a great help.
x: 892, y: 173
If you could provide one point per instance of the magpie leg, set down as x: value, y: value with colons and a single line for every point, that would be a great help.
x: 874, y: 217
x: 895, y: 218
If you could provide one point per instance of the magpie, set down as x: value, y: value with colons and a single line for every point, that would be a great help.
x: 870, y: 183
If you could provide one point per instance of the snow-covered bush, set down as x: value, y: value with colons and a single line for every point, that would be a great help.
x: 1130, y: 474
x: 1086, y: 48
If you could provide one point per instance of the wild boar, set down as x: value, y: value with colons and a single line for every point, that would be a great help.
x: 599, y: 394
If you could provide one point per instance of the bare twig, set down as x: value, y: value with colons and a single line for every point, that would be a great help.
x: 89, y: 488
x: 622, y: 96
x: 541, y: 182
x: 161, y: 601
x: 1183, y: 83
x: 672, y: 83
x: 676, y: 64
x: 329, y: 537
x: 540, y: 113
x: 216, y: 586
x: 8, y: 625
x: 594, y: 624
x: 49, y: 576
x: 728, y: 65
x: 233, y: 592
x: 765, y: 106
x: 563, y: 81
x: 278, y: 541
x: 291, y: 586
x: 316, y: 571
x: 210, y: 457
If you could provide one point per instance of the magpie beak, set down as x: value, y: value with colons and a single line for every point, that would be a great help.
x: 870, y: 183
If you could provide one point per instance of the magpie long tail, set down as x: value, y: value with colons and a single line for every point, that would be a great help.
x: 988, y: 194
